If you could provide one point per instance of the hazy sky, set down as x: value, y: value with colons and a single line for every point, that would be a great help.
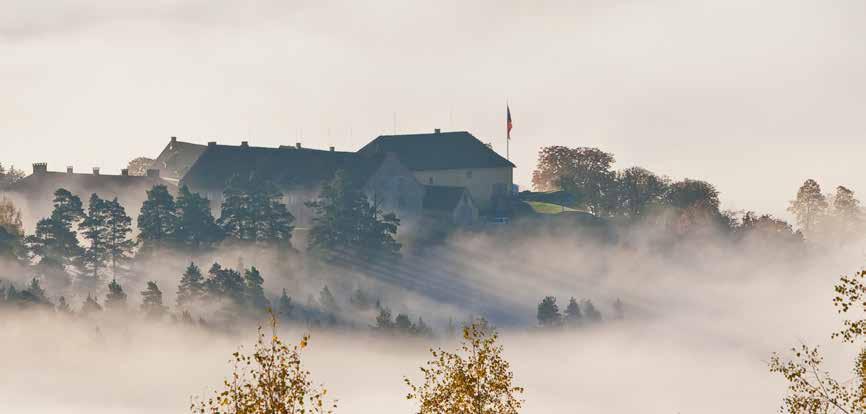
x: 752, y: 96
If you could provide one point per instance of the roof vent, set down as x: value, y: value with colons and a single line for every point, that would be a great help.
x: 69, y: 170
x: 173, y: 139
x: 437, y: 131
x: 332, y: 149
x: 40, y: 168
x: 95, y: 170
x: 298, y: 145
x: 245, y: 144
x: 211, y: 143
x: 124, y: 172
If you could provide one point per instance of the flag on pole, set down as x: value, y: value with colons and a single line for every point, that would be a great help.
x: 508, y: 114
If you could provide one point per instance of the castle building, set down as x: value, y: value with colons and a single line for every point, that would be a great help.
x: 36, y: 191
x: 300, y: 172
x: 452, y: 159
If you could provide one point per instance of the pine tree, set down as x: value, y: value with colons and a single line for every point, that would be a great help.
x: 383, y: 320
x: 548, y: 312
x: 157, y: 220
x: 421, y: 329
x: 96, y: 232
x: 151, y: 301
x: 572, y: 313
x: 55, y: 242
x: 284, y: 306
x: 116, y: 297
x: 360, y: 300
x: 253, y: 211
x: 118, y: 244
x: 327, y: 301
x: 191, y: 287
x: 592, y: 314
x: 255, y: 294
x: 37, y: 292
x: 90, y: 306
x: 225, y: 284
x: 402, y: 324
x: 196, y: 227
x: 347, y: 225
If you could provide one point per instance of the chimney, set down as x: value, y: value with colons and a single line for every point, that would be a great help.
x: 69, y: 170
x: 95, y: 170
x: 437, y: 131
x: 124, y: 172
x: 245, y: 144
x: 173, y: 139
x: 211, y: 143
x: 298, y: 145
x: 40, y: 168
x: 332, y: 149
x: 153, y: 173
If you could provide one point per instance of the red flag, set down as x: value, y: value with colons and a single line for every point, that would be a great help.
x: 508, y: 113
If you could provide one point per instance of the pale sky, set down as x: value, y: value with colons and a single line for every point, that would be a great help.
x: 752, y: 96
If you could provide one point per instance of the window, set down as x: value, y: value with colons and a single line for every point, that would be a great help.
x: 430, y: 180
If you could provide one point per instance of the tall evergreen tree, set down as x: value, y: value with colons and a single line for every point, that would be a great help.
x: 592, y: 314
x: 284, y: 306
x: 572, y: 313
x: 347, y: 225
x: 55, y: 241
x: 116, y: 297
x: 96, y: 232
x: 151, y: 301
x: 157, y: 220
x: 225, y: 283
x: 191, y: 287
x: 327, y: 301
x: 37, y: 293
x: 118, y: 244
x: 548, y: 312
x: 196, y: 227
x: 255, y: 294
x: 253, y: 211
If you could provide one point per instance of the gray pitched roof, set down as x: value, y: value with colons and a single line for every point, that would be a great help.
x: 286, y: 166
x: 176, y: 158
x: 443, y: 198
x: 438, y: 151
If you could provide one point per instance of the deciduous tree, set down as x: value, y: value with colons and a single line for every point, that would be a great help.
x: 474, y: 380
x: 271, y: 380
x: 809, y: 207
